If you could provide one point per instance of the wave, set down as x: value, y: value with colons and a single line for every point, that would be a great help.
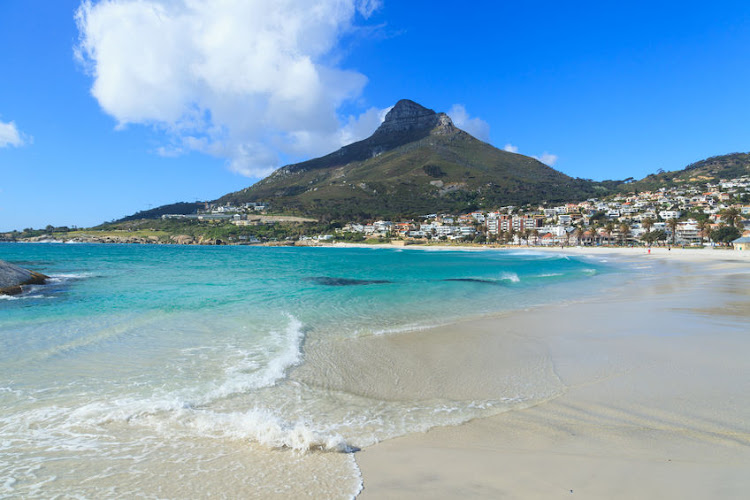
x: 186, y: 404
x: 265, y: 428
x: 508, y: 276
x: 25, y: 296
x: 239, y: 381
x: 512, y: 277
x: 72, y: 276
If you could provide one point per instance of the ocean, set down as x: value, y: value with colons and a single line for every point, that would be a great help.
x: 174, y: 371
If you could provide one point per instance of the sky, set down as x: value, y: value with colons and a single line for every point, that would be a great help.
x: 113, y: 106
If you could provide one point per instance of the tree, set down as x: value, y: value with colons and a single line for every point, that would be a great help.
x: 598, y: 216
x: 526, y: 235
x: 704, y: 227
x: 609, y: 228
x: 624, y: 231
x: 511, y: 232
x: 725, y: 234
x: 594, y: 234
x: 731, y: 216
x: 672, y: 225
x: 647, y: 224
x: 579, y: 233
x: 654, y: 236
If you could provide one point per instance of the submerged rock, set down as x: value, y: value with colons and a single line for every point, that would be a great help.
x: 12, y: 278
x: 329, y: 281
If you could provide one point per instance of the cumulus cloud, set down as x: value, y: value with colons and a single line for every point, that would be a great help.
x: 547, y: 159
x: 11, y: 136
x: 474, y: 126
x: 245, y: 80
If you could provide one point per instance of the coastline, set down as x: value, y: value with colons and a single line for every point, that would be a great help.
x: 653, y: 405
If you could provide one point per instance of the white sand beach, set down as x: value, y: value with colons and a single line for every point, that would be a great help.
x: 654, y: 392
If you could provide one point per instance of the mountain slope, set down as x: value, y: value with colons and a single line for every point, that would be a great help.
x: 416, y: 162
x: 709, y: 170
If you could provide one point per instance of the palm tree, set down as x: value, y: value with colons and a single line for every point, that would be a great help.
x: 705, y: 229
x: 624, y: 231
x: 526, y: 233
x: 594, y: 234
x: 609, y: 227
x: 579, y: 233
x: 647, y: 224
x: 672, y: 225
x: 731, y: 216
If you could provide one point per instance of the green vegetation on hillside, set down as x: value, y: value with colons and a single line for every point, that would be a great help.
x: 711, y: 169
x: 441, y: 173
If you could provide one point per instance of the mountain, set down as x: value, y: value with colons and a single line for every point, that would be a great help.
x: 709, y: 170
x: 416, y: 162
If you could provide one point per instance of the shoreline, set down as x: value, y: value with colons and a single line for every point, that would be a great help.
x: 401, y: 244
x: 650, y: 393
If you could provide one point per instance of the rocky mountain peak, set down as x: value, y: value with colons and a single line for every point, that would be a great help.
x: 407, y: 116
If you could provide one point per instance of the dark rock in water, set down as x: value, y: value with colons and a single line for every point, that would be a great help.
x: 12, y: 278
x: 473, y: 280
x: 328, y: 281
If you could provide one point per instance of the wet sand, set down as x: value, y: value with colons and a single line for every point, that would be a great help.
x: 653, y: 398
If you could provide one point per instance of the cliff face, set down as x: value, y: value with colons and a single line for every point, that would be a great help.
x: 12, y: 278
x: 408, y: 116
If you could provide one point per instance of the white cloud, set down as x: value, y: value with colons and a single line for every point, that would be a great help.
x: 474, y: 126
x: 246, y: 80
x: 367, y: 7
x: 547, y: 159
x: 11, y: 136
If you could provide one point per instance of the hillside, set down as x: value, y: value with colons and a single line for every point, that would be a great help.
x: 183, y: 208
x: 709, y: 170
x: 416, y: 162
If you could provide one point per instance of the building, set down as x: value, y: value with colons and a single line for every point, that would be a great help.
x: 742, y: 243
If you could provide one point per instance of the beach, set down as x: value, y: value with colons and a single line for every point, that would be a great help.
x: 653, y: 402
x: 375, y: 372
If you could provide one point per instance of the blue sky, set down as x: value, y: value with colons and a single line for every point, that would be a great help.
x: 111, y: 107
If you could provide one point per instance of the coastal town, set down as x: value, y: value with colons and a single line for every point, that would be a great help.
x: 714, y: 213
x: 695, y: 215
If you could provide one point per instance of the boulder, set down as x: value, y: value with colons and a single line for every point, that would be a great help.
x: 12, y: 278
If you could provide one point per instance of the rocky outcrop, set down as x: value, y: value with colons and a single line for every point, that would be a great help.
x: 13, y: 278
x: 183, y: 239
x: 408, y: 116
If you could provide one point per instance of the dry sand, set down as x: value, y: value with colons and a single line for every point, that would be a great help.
x: 654, y: 397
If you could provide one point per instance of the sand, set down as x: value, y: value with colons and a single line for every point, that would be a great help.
x: 654, y: 398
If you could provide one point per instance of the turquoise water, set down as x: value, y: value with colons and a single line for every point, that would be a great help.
x: 132, y: 349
